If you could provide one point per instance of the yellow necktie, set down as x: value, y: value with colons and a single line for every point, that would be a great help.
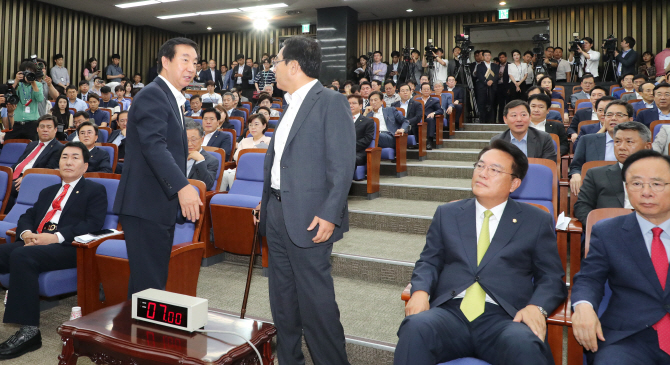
x: 472, y: 305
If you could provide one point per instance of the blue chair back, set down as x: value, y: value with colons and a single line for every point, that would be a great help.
x: 247, y: 107
x: 269, y: 134
x: 585, y: 105
x: 246, y: 112
x: 536, y: 187
x: 276, y: 106
x: 237, y: 124
x: 249, y: 175
x: 218, y: 167
x: 111, y: 185
x: 103, y: 135
x: 273, y: 124
x: 465, y: 361
x: 11, y: 152
x: 110, y: 152
x: 71, y: 111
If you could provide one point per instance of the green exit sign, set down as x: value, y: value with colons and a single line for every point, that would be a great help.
x: 503, y: 14
x: 305, y: 28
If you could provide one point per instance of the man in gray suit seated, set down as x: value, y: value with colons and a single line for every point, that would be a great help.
x: 603, y: 186
x: 390, y: 119
x: 588, y: 83
x: 534, y: 143
x: 599, y: 146
x: 200, y: 165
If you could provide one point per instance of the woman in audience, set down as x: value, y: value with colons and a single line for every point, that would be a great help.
x: 129, y: 90
x: 224, y: 123
x: 347, y: 87
x: 63, y: 117
x: 264, y: 77
x: 518, y: 72
x: 211, y: 96
x: 91, y: 72
x: 647, y: 67
x: 257, y: 127
x: 362, y: 64
x: 266, y: 101
x: 120, y: 93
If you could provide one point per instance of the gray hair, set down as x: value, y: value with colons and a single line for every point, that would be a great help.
x: 228, y: 93
x: 192, y: 124
x: 641, y: 129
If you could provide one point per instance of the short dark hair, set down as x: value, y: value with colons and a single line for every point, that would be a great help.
x: 307, y: 52
x: 262, y: 118
x: 84, y: 124
x: 588, y: 76
x: 58, y: 56
x: 379, y: 83
x: 119, y: 88
x: 629, y: 107
x: 641, y: 129
x: 365, y: 83
x: 630, y: 40
x: 486, y: 51
x: 212, y: 110
x: 195, y: 97
x: 639, y: 76
x: 81, y: 114
x: 514, y: 51
x: 513, y: 104
x: 502, y: 54
x: 105, y: 90
x: 239, y: 56
x: 600, y: 88
x: 94, y: 96
x: 403, y: 84
x: 116, y: 55
x: 168, y: 50
x: 357, y: 97
x: 378, y: 93
x: 626, y: 74
x: 264, y: 96
x: 552, y: 48
x: 604, y: 98
x: 662, y: 84
x: 451, y: 76
x: 541, y: 97
x: 84, y: 151
x: 210, y: 83
x: 641, y: 155
x: 118, y: 116
x: 553, y: 84
x: 48, y: 117
x: 425, y: 83
x: 453, y: 49
x: 27, y: 66
x: 520, y: 163
x: 588, y: 39
x: 70, y: 87
x: 355, y: 88
x: 543, y: 91
x: 395, y: 54
x: 528, y: 52
x: 375, y: 52
x: 83, y: 82
x: 555, y: 48
x: 389, y: 81
x: 411, y: 82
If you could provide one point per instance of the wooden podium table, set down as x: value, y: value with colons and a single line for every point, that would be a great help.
x: 111, y: 336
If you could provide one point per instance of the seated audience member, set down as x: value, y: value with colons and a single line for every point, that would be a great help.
x: 101, y: 117
x: 356, y: 90
x: 494, y: 308
x: 531, y: 141
x: 332, y: 87
x: 627, y: 84
x: 257, y: 127
x: 97, y: 86
x: 586, y: 113
x: 376, y: 85
x: 137, y: 81
x: 365, y: 128
x: 431, y: 109
x: 587, y: 84
x: 118, y: 137
x: 424, y: 80
x: 62, y: 115
x: 603, y: 186
x: 539, y: 106
x: 390, y: 119
x: 213, y: 137
x: 336, y: 83
x: 412, y: 88
x: 598, y: 146
x: 548, y: 84
x: 366, y: 89
x: 662, y: 109
x: 390, y: 96
x: 265, y: 111
x: 412, y: 108
x: 223, y: 121
x: 551, y: 114
x: 638, y: 80
x: 200, y: 165
x: 629, y: 253
x: 79, y: 117
x: 647, y: 96
x: 211, y: 96
x: 362, y: 80
x: 44, y: 236
x: 83, y: 90
x: 230, y: 105
x: 347, y: 88
x: 99, y: 159
x: 196, y: 107
x: 74, y: 102
x: 107, y: 102
x: 239, y: 98
x: 128, y: 87
x: 600, y: 106
x: 266, y: 100
x: 446, y: 101
x: 458, y: 96
x: 120, y: 91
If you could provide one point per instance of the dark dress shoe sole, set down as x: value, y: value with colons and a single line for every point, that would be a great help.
x: 21, y: 351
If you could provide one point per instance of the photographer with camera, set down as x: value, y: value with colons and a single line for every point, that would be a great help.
x: 589, y: 58
x: 563, y: 68
x: 432, y: 59
x: 627, y: 58
x: 396, y: 67
x: 549, y: 63
x: 30, y: 93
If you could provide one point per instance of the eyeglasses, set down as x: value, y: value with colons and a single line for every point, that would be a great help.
x: 493, y: 170
x: 618, y: 115
x: 194, y: 140
x: 656, y: 187
x: 276, y: 62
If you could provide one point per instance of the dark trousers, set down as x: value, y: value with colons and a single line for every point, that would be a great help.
x: 27, y: 130
x: 443, y: 334
x: 386, y: 140
x: 639, y: 349
x: 361, y: 158
x: 302, y: 296
x: 149, y: 245
x: 430, y: 124
x: 502, y: 98
x: 24, y: 264
x: 458, y: 109
x: 485, y: 103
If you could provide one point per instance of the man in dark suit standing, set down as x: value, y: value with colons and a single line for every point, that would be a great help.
x: 99, y: 158
x: 662, y: 110
x: 200, y: 165
x: 213, y: 74
x: 627, y: 58
x: 488, y: 275
x: 413, y: 111
x: 502, y: 93
x: 154, y: 192
x: 43, y: 243
x: 487, y: 87
x: 603, y: 186
x: 304, y: 206
x: 365, y: 128
x: 629, y: 252
x: 531, y: 141
x: 242, y: 74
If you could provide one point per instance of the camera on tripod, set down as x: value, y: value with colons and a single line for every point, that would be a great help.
x: 465, y: 45
x: 540, y: 40
x: 7, y: 90
x: 407, y: 54
x: 430, y: 53
x: 610, y: 44
x: 575, y: 44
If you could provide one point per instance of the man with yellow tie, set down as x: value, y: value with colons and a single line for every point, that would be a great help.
x: 488, y: 275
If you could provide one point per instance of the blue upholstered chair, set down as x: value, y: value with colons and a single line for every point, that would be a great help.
x: 237, y: 123
x: 655, y: 127
x: 540, y: 186
x: 582, y: 105
x: 103, y: 135
x: 397, y: 154
x: 113, y: 152
x: 5, y: 188
x: 245, y: 111
x: 466, y: 361
x: 219, y: 154
x: 11, y: 152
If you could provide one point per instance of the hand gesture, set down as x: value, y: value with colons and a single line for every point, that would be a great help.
x: 325, y: 229
x: 190, y: 203
x: 417, y: 303
x: 534, y: 319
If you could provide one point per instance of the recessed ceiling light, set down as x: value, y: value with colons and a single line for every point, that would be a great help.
x: 261, y: 24
x: 176, y: 16
x: 262, y: 7
x: 209, y: 28
x: 137, y: 3
x: 502, y: 3
x: 222, y: 11
x: 409, y: 10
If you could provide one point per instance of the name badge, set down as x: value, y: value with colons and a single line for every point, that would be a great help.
x: 27, y: 110
x: 62, y: 79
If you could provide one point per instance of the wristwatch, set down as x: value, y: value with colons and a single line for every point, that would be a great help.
x: 544, y: 312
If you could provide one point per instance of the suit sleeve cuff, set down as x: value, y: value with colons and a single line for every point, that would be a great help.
x: 21, y: 235
x: 574, y: 305
x: 60, y: 237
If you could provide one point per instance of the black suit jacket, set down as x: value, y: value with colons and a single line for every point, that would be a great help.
x: 580, y: 116
x: 590, y: 148
x: 206, y: 75
x: 99, y: 161
x: 247, y: 76
x: 49, y: 157
x: 559, y: 130
x: 155, y: 168
x: 414, y: 112
x: 84, y: 211
x: 539, y: 144
x: 481, y: 76
x: 206, y: 170
x: 365, y: 133
x: 648, y: 116
x: 601, y: 188
x: 520, y: 267
x: 458, y: 94
x: 433, y: 106
x: 505, y: 76
x: 222, y: 140
x: 628, y: 62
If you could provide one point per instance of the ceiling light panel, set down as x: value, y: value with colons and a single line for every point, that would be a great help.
x: 176, y: 16
x: 137, y: 3
x: 222, y: 11
x: 264, y: 7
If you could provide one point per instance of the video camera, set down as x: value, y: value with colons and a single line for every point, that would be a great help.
x: 430, y: 53
x: 29, y: 76
x: 407, y: 54
x: 540, y: 40
x: 610, y: 44
x: 7, y: 90
x: 575, y: 44
x: 466, y: 46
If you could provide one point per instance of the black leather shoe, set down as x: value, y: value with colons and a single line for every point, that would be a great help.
x: 416, y: 146
x: 23, y: 341
x: 429, y: 145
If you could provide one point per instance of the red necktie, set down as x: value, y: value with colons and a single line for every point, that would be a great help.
x: 22, y: 165
x: 659, y: 258
x: 55, y: 206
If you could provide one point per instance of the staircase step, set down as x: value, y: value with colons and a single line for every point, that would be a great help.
x: 451, y: 155
x: 444, y: 169
x: 484, y: 127
x: 391, y: 215
x: 475, y: 134
x: 465, y: 143
x: 384, y: 245
x: 419, y: 188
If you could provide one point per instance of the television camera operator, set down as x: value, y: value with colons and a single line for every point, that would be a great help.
x: 627, y: 59
x: 432, y: 59
x: 30, y: 93
x: 588, y: 57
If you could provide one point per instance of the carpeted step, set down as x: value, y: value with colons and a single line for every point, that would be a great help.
x: 419, y: 188
x: 465, y: 143
x: 445, y: 154
x: 474, y: 134
x: 443, y: 169
x: 484, y: 127
x: 391, y: 215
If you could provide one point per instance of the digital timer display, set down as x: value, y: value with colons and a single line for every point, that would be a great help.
x: 162, y: 312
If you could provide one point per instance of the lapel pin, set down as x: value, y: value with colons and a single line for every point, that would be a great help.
x: 77, y: 192
x: 513, y: 220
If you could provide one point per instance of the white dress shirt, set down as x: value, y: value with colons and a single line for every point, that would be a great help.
x: 355, y: 117
x: 405, y: 105
x: 240, y: 70
x: 181, y: 99
x: 539, y: 126
x: 31, y: 163
x: 208, y: 136
x: 626, y: 201
x: 382, y: 122
x: 591, y: 63
x: 493, y: 226
x: 190, y: 163
x: 56, y: 218
x: 281, y: 133
x: 594, y: 114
